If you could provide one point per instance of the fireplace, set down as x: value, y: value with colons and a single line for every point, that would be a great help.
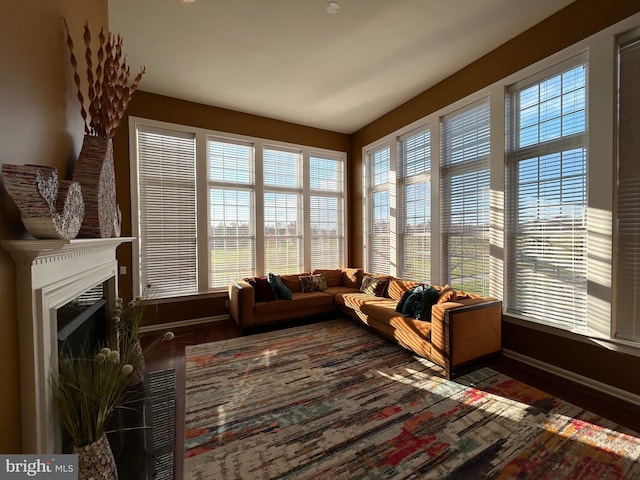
x: 50, y: 275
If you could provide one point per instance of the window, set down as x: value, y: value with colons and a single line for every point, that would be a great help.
x: 547, y: 198
x: 231, y: 174
x: 627, y: 212
x: 166, y: 213
x: 465, y: 198
x: 326, y: 212
x: 379, y: 242
x: 236, y: 208
x: 415, y: 204
x: 283, y: 211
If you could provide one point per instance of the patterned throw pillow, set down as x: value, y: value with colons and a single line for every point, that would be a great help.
x: 312, y: 283
x: 374, y: 285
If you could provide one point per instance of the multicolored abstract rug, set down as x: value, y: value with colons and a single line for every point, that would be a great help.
x: 332, y: 400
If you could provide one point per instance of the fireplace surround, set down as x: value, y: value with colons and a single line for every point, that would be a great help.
x: 49, y: 274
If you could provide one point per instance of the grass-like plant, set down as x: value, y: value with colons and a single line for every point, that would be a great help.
x: 87, y: 390
x: 109, y: 91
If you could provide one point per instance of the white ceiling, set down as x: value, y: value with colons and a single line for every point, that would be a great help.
x: 291, y: 60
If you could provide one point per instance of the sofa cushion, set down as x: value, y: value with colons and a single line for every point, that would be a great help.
x: 292, y: 281
x: 352, y: 277
x: 398, y: 286
x: 355, y: 299
x: 385, y: 312
x: 447, y: 294
x: 282, y: 292
x: 333, y: 277
x: 261, y: 289
x: 300, y: 302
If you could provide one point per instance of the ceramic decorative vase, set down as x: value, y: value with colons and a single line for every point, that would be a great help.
x: 138, y: 374
x: 95, y: 172
x: 96, y: 460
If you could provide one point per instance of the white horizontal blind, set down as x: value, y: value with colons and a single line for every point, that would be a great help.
x: 231, y: 175
x: 379, y: 224
x: 627, y: 292
x: 166, y: 207
x: 547, y: 201
x: 326, y: 185
x: 415, y: 204
x: 465, y: 198
x: 283, y: 222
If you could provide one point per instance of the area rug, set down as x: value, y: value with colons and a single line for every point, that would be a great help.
x: 332, y: 400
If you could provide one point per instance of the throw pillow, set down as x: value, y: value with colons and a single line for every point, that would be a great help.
x: 413, y: 305
x: 374, y: 285
x: 312, y: 283
x: 281, y: 290
x: 320, y: 280
x: 307, y: 284
x: 431, y: 295
x: 403, y: 300
x: 368, y: 284
x: 382, y: 284
x: 261, y: 290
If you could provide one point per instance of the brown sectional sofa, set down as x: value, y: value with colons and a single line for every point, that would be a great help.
x: 460, y: 331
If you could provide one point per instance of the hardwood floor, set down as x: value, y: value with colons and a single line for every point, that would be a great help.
x: 171, y: 355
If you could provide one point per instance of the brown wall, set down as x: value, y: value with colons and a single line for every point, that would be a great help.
x: 570, y: 25
x: 166, y: 109
x: 40, y: 123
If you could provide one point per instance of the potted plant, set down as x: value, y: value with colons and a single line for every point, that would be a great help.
x: 87, y: 390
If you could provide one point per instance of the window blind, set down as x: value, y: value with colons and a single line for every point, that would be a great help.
x: 465, y: 198
x: 231, y: 210
x: 547, y: 201
x: 627, y: 287
x: 379, y: 257
x: 326, y: 181
x: 415, y: 204
x: 283, y: 211
x: 167, y: 233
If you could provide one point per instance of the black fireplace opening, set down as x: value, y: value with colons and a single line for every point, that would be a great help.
x: 82, y: 323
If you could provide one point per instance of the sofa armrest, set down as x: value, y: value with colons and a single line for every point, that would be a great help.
x: 465, y: 331
x: 241, y: 299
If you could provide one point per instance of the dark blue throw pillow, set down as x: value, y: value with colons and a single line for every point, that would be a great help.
x: 280, y: 289
x: 403, y: 300
x: 413, y: 305
x: 430, y: 298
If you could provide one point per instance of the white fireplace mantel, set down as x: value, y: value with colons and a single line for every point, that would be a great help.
x: 50, y: 273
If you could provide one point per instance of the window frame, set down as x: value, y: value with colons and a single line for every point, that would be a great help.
x: 203, y: 206
x: 532, y: 310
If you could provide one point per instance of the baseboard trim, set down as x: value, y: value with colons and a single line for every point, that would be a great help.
x: 574, y: 377
x: 183, y: 323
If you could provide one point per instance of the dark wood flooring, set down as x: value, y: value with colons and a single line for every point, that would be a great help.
x: 171, y: 355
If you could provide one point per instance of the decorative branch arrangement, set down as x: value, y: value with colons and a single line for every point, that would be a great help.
x: 109, y: 92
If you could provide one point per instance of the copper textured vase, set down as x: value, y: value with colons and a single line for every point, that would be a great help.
x: 96, y: 460
x: 95, y: 172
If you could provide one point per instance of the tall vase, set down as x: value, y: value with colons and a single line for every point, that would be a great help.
x: 95, y: 172
x: 96, y: 460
